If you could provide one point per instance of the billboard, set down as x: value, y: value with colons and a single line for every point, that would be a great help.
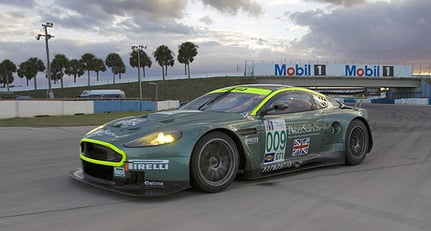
x: 333, y: 70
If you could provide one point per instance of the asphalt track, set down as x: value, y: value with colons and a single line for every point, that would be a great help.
x: 390, y: 190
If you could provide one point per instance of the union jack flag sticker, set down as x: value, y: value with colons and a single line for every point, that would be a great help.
x: 301, y: 146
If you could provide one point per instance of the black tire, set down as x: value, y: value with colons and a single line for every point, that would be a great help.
x: 357, y: 142
x: 214, y: 163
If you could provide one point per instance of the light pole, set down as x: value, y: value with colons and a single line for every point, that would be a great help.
x: 157, y: 92
x: 48, y: 69
x: 139, y: 48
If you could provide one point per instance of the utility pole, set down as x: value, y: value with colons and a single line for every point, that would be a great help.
x: 48, y: 69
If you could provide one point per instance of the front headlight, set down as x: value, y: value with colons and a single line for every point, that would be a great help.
x: 155, y: 138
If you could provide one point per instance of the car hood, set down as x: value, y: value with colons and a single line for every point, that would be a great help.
x: 131, y: 127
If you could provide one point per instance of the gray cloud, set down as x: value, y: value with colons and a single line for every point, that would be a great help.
x: 23, y: 3
x: 340, y: 2
x: 207, y: 20
x: 380, y: 31
x: 133, y: 16
x: 233, y: 6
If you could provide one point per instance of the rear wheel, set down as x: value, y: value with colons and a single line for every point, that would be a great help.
x: 214, y: 162
x: 357, y: 142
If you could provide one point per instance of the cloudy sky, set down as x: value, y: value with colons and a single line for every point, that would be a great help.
x: 228, y: 32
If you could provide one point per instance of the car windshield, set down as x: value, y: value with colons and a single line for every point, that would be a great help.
x: 225, y: 102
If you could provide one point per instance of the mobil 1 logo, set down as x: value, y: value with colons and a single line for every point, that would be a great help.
x: 388, y: 70
x: 319, y: 69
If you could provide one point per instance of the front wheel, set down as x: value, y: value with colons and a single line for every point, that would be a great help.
x: 357, y: 142
x: 214, y: 162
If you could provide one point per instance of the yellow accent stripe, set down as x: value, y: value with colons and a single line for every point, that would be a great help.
x: 101, y: 162
x: 253, y: 113
x: 251, y: 90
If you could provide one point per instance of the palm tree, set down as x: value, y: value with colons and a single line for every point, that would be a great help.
x: 7, y: 68
x: 114, y: 61
x: 58, y: 68
x: 164, y: 57
x: 145, y: 61
x: 30, y: 68
x: 99, y: 66
x: 88, y: 61
x: 186, y: 54
x: 75, y: 68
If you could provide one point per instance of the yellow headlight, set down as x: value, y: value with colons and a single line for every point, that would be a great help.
x: 156, y: 138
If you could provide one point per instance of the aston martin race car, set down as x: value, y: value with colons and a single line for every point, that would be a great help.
x: 246, y: 131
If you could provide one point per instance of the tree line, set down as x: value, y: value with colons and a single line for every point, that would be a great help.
x: 61, y: 65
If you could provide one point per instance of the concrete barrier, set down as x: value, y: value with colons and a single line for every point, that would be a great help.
x: 415, y: 101
x: 31, y: 108
x: 168, y: 104
x: 8, y: 109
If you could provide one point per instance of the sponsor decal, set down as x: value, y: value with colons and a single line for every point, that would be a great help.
x: 247, y: 116
x: 297, y: 70
x: 251, y: 140
x: 280, y: 166
x: 133, y: 122
x: 275, y: 141
x: 319, y: 70
x: 118, y: 171
x: 298, y: 130
x: 145, y: 165
x: 268, y: 158
x: 104, y: 132
x: 301, y: 146
x: 154, y: 184
x: 388, y: 70
x: 374, y: 70
x: 321, y: 101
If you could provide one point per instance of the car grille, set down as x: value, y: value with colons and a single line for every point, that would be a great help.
x: 99, y: 152
x: 98, y: 171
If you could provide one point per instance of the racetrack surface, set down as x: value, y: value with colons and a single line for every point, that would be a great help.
x: 390, y: 190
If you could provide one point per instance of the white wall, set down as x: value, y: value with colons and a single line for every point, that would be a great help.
x: 167, y: 105
x: 31, y: 108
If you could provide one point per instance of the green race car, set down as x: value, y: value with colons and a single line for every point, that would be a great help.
x: 247, y: 131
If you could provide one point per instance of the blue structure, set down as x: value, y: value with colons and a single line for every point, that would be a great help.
x: 106, y: 106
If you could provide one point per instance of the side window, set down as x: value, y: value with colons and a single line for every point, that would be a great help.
x: 296, y: 101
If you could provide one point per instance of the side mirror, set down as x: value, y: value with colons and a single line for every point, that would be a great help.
x: 276, y: 107
x: 280, y: 106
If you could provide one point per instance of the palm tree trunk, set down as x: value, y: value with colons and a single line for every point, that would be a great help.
x: 88, y: 73
x: 188, y: 67
x: 113, y: 78
x: 35, y: 84
x: 61, y: 80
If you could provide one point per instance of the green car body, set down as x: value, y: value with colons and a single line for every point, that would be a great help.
x: 248, y: 131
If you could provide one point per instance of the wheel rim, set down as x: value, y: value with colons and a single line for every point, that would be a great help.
x: 216, y: 162
x: 357, y: 141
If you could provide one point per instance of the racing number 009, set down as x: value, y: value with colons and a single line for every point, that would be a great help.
x: 276, y: 141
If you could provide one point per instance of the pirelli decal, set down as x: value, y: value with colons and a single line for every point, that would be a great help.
x: 146, y: 165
